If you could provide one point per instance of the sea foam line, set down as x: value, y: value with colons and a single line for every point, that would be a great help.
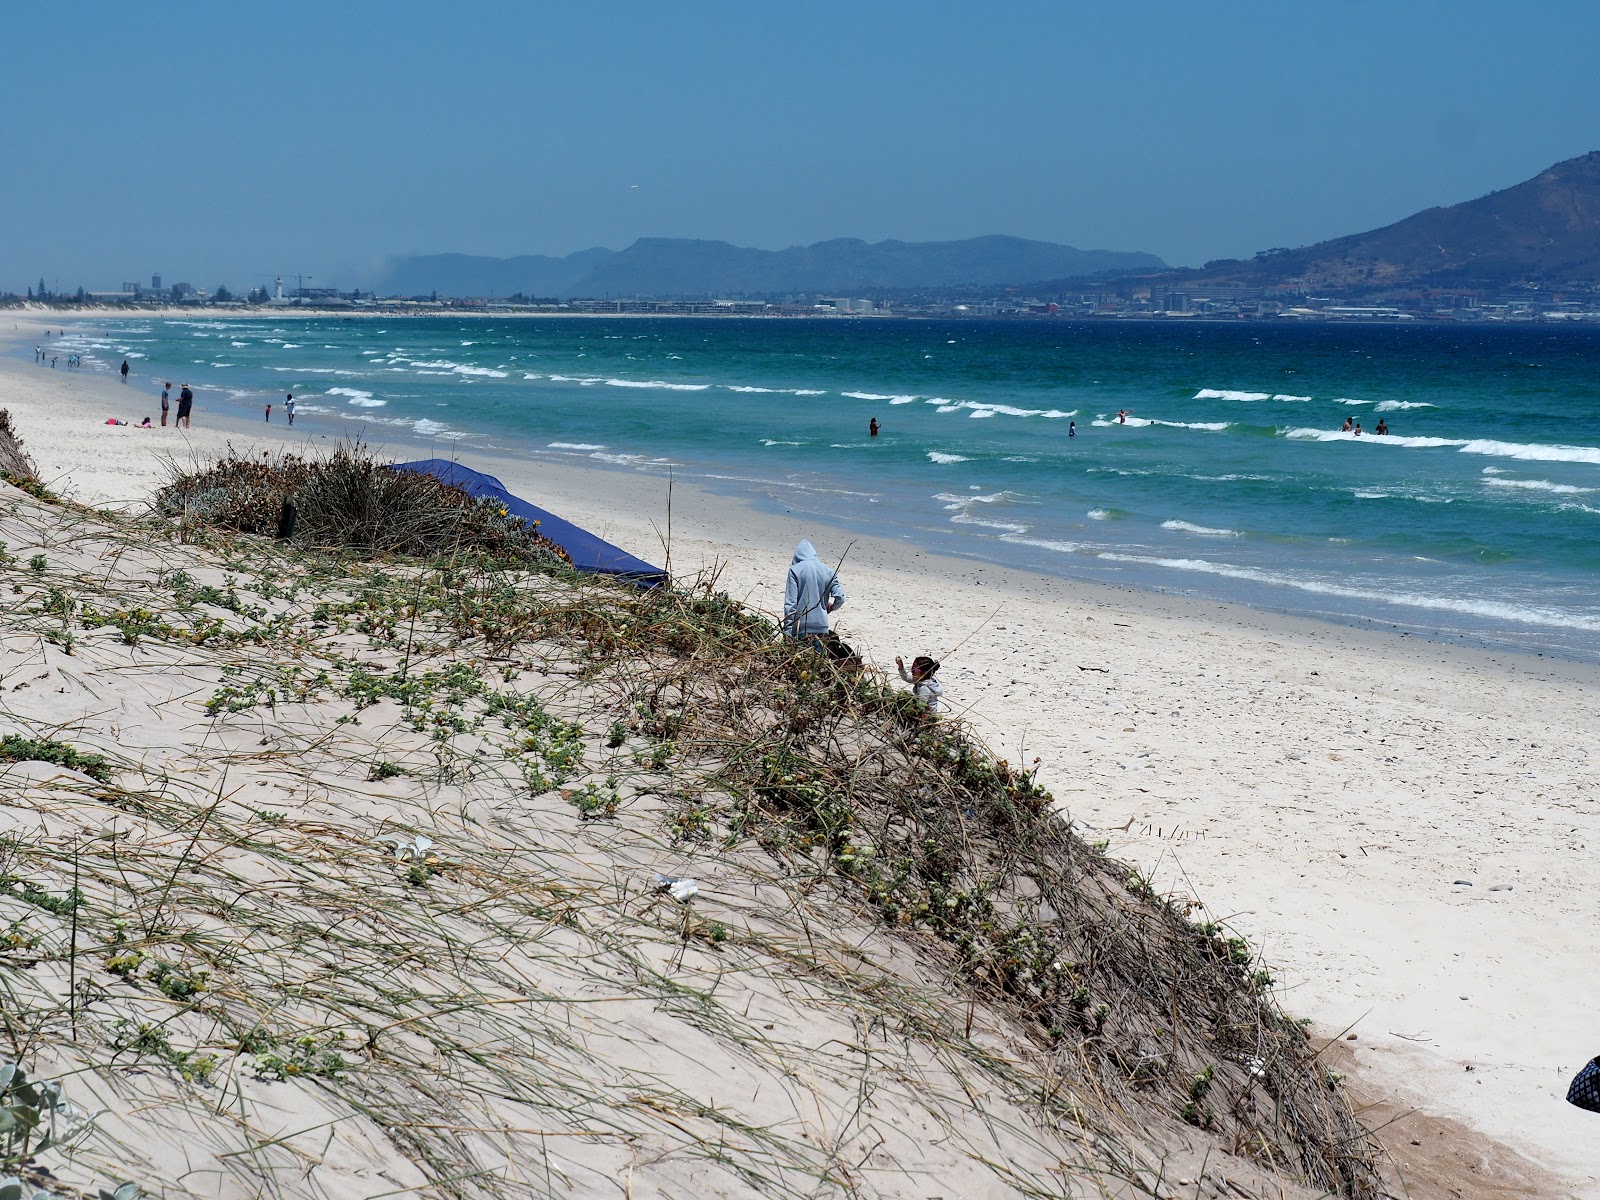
x: 1527, y: 451
x: 1523, y: 614
x: 1203, y: 530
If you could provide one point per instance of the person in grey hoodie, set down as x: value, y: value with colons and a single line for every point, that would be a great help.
x: 811, y: 592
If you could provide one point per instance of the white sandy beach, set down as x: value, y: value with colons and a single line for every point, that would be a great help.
x: 1405, y: 830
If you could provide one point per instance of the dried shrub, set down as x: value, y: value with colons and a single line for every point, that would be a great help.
x: 352, y: 501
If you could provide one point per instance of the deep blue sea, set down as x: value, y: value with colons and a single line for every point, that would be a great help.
x: 1478, y: 516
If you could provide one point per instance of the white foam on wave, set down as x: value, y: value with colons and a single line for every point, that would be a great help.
x: 1396, y: 405
x: 1208, y: 426
x: 658, y: 384
x: 1229, y: 394
x: 1539, y: 485
x: 236, y: 345
x: 809, y: 392
x: 1527, y: 451
x: 576, y: 446
x: 748, y: 389
x: 1098, y: 514
x: 1493, y: 609
x: 435, y: 429
x: 1292, y: 399
x: 961, y: 506
x: 878, y: 396
x: 1017, y: 539
x: 775, y: 442
x: 357, y: 397
x: 1534, y: 451
x: 1103, y: 422
x: 987, y: 408
x: 1347, y: 400
x: 1202, y: 530
x: 940, y: 457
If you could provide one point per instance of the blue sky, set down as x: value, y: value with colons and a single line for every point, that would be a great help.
x: 224, y: 143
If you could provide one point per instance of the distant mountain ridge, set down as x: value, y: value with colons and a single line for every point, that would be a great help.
x: 683, y: 267
x: 1543, y: 230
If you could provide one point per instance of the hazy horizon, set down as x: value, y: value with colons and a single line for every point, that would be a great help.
x: 228, y: 146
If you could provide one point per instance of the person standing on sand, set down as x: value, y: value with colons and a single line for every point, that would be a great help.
x: 124, y: 370
x: 288, y: 405
x: 165, y: 388
x: 810, y: 593
x: 185, y: 407
x: 269, y: 412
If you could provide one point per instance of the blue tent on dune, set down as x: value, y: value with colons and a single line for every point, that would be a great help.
x: 588, y: 552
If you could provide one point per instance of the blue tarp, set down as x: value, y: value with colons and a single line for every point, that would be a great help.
x: 588, y: 552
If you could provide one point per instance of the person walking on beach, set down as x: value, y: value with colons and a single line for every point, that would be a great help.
x: 810, y: 593
x: 165, y: 388
x: 921, y: 678
x: 288, y: 406
x: 185, y: 407
x: 124, y: 370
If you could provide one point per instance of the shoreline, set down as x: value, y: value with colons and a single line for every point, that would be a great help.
x: 1307, y: 781
x: 1369, y: 609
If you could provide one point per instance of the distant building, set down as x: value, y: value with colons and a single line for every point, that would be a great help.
x: 155, y: 283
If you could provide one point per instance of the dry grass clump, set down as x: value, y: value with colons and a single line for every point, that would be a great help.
x: 16, y: 467
x: 1136, y: 1010
x: 350, y: 500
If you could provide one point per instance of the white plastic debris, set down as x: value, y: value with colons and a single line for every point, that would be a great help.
x: 681, y: 890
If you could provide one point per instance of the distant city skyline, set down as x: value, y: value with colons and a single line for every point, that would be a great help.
x: 228, y: 146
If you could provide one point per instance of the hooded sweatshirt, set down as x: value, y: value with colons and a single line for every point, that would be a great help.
x: 810, y: 594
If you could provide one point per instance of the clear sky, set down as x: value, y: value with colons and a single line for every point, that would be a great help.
x: 225, y: 143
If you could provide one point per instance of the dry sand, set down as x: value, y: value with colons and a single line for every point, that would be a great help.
x: 1354, y: 802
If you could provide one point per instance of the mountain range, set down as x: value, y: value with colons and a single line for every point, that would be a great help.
x: 1545, y: 230
x: 682, y: 267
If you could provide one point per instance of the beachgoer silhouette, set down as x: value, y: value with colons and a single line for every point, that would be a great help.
x: 124, y: 370
x: 1348, y: 423
x: 1383, y: 427
x: 872, y: 427
x: 1072, y: 429
x: 1122, y: 417
x: 289, y: 405
x: 185, y: 407
x: 165, y: 388
x: 1357, y: 430
x: 269, y: 412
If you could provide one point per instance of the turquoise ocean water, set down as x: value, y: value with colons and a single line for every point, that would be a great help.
x: 1477, y: 517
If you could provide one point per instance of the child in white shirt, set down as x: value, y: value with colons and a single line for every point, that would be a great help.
x: 921, y: 678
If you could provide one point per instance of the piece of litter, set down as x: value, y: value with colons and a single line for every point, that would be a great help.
x: 681, y: 890
x: 1462, y: 883
x: 1501, y: 887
